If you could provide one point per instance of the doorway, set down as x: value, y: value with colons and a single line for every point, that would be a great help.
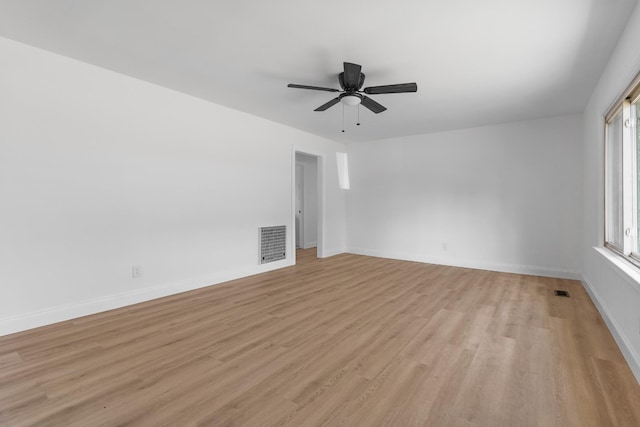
x: 300, y: 209
x: 307, y: 205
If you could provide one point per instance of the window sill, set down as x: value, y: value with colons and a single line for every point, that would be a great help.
x: 626, y: 270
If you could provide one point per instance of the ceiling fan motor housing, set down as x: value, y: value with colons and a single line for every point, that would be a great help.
x: 341, y: 80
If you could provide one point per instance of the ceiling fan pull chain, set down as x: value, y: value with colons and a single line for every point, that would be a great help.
x: 343, y: 118
x: 358, y: 124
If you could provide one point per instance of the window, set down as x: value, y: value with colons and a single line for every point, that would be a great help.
x: 622, y: 175
x: 343, y: 170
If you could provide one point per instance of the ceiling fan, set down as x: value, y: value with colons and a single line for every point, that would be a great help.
x: 351, y: 80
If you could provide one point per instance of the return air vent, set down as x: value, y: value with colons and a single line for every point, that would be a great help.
x: 273, y: 243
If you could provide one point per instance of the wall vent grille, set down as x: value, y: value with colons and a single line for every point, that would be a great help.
x: 273, y: 243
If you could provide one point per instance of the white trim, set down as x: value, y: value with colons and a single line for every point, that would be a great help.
x: 34, y: 319
x: 298, y: 228
x: 292, y: 220
x: 532, y: 270
x: 632, y: 358
x: 628, y: 272
x: 332, y: 252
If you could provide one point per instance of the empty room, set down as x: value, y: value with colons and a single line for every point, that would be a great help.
x: 337, y: 213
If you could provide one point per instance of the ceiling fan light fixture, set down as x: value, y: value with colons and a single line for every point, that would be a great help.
x: 350, y: 100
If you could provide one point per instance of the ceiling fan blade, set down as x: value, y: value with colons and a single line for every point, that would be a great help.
x: 399, y: 88
x: 331, y: 103
x: 351, y: 75
x: 372, y: 105
x: 326, y: 89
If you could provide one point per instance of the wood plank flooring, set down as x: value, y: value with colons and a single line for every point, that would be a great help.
x: 343, y: 341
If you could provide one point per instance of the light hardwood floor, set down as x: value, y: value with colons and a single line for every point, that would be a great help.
x: 348, y: 340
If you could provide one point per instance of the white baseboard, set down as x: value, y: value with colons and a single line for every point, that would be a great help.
x: 632, y: 358
x: 331, y: 252
x: 479, y: 265
x: 34, y: 319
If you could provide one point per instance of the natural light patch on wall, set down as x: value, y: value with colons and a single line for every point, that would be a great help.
x: 343, y: 170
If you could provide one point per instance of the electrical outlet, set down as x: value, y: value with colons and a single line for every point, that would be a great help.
x: 136, y: 271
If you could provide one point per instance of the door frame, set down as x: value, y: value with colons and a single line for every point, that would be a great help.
x: 299, y: 226
x: 321, y: 214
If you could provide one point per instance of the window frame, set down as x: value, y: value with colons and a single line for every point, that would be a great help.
x: 627, y: 105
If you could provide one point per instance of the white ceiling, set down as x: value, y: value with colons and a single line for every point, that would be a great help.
x: 475, y: 62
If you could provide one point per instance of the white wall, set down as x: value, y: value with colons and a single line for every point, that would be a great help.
x: 615, y: 292
x: 100, y: 172
x: 505, y: 197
